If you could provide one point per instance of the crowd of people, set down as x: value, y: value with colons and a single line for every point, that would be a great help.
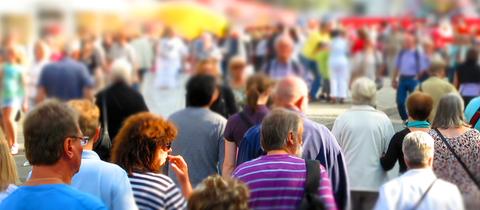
x: 243, y: 140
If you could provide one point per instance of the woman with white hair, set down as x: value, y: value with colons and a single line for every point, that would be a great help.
x: 457, y: 149
x: 118, y: 101
x: 364, y: 134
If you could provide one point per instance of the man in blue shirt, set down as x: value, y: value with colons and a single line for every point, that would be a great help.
x: 318, y: 142
x: 53, y: 146
x: 411, y: 65
x: 103, y: 180
x: 65, y: 80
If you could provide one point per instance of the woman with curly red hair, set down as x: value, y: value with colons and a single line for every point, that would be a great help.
x: 141, y: 148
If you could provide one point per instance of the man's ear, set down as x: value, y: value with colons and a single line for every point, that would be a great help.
x: 299, y: 102
x: 290, y: 139
x: 68, y: 147
x: 97, y: 135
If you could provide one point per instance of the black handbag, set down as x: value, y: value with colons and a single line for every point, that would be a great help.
x: 104, y: 145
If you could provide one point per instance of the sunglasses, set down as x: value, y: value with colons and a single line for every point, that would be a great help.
x: 167, y: 146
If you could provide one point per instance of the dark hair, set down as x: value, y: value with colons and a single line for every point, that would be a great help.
x: 45, y: 129
x: 257, y: 85
x: 137, y: 143
x: 200, y: 90
x: 419, y: 105
x: 472, y: 55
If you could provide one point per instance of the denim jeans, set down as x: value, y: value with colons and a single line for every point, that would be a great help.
x: 311, y: 66
x: 406, y: 86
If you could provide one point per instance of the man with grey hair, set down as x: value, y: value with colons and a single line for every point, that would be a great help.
x: 66, y: 79
x: 364, y: 134
x: 284, y: 64
x: 284, y: 188
x: 419, y: 188
x: 319, y: 143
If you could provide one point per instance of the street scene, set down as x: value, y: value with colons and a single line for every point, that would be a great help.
x: 240, y: 104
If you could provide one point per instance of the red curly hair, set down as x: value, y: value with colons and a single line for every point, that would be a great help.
x: 137, y: 143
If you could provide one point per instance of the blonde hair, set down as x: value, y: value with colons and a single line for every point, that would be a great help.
x: 217, y: 193
x: 8, y: 169
x: 89, y: 115
x: 364, y: 91
x: 418, y: 147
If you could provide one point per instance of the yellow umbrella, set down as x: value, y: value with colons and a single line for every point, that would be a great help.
x: 191, y: 19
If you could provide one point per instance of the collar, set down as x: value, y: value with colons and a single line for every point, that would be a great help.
x: 420, y: 172
x: 89, y: 154
x: 363, y: 107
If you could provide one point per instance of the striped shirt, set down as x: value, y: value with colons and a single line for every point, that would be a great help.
x: 278, y: 182
x: 154, y: 191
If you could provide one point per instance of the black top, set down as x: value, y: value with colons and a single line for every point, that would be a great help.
x: 468, y: 72
x: 225, y: 104
x: 122, y: 102
x: 395, y: 152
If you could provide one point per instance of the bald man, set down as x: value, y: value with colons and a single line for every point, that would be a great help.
x: 283, y: 64
x: 318, y: 142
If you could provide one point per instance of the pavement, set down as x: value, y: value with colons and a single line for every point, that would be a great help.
x: 165, y: 102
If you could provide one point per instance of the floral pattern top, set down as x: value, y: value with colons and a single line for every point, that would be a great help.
x: 446, y: 166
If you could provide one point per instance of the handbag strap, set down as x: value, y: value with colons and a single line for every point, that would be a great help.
x: 470, y: 174
x: 313, y: 177
x: 104, y: 115
x: 424, y: 195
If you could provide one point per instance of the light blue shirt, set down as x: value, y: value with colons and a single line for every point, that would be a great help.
x: 407, y: 62
x: 104, y: 180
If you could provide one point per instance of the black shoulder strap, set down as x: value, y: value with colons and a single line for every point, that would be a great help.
x: 313, y: 177
x: 424, y: 195
x: 470, y: 174
x: 244, y: 118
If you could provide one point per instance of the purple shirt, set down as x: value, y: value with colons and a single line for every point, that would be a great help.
x: 236, y: 125
x: 278, y: 182
x: 407, y: 62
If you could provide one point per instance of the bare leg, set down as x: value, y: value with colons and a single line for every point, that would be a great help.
x: 9, y: 124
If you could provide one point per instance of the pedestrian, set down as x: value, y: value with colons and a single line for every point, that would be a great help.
x: 282, y: 140
x: 454, y: 138
x: 363, y: 133
x: 419, y: 188
x: 218, y: 193
x: 101, y: 179
x: 283, y: 64
x: 200, y: 140
x: 142, y: 148
x: 319, y: 143
x: 259, y: 88
x: 338, y: 65
x: 411, y: 65
x: 14, y: 95
x: 419, y: 106
x: 52, y: 171
x: 41, y: 53
x: 238, y: 79
x: 467, y: 78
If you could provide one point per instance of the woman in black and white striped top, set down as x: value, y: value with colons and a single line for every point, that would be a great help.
x: 141, y: 148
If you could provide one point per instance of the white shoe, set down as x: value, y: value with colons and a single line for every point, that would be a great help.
x: 14, y: 149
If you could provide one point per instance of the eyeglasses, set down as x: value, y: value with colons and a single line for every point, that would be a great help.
x: 83, y: 139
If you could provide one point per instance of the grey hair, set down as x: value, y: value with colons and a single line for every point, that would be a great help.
x: 121, y: 70
x: 276, y: 127
x: 364, y: 92
x: 417, y: 148
x: 449, y: 112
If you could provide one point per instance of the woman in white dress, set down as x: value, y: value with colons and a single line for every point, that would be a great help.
x: 170, y: 53
x: 338, y: 67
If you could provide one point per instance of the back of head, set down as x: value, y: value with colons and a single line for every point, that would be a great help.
x: 419, y: 105
x: 121, y: 71
x: 364, y: 91
x: 449, y: 112
x: 257, y: 85
x: 88, y: 116
x: 437, y: 66
x: 137, y: 142
x: 289, y: 90
x: 277, y: 126
x: 418, y: 148
x: 217, y: 193
x: 472, y: 56
x: 200, y: 90
x: 8, y: 169
x: 45, y: 129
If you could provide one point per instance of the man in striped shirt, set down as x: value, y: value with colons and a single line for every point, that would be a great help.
x: 277, y: 180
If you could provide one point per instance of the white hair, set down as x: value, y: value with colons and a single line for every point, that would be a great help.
x: 418, y: 147
x: 364, y: 91
x: 121, y: 70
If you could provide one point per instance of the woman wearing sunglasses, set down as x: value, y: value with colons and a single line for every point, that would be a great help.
x: 141, y: 148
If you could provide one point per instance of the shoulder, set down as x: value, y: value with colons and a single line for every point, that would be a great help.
x: 152, y: 179
x: 86, y: 200
x: 252, y: 132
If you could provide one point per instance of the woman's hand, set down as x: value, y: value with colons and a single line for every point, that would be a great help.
x: 180, y: 168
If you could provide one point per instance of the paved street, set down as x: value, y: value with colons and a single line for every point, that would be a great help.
x: 165, y: 102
